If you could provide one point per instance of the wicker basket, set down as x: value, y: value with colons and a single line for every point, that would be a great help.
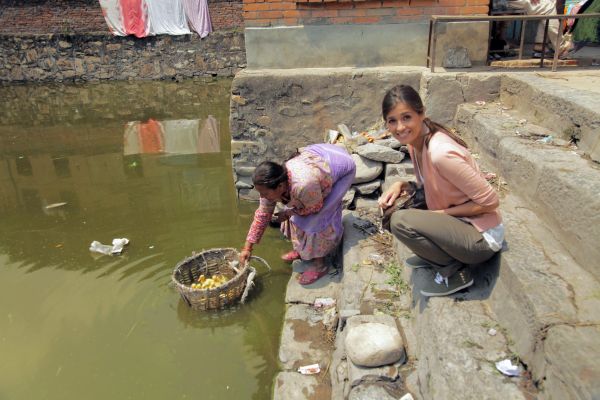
x: 208, y: 263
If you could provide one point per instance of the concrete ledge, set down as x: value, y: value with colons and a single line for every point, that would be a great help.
x: 380, y: 45
x: 565, y: 111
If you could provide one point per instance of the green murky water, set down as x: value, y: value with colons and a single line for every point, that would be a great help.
x: 149, y: 162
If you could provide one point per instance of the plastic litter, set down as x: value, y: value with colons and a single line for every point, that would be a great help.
x: 546, y: 140
x: 116, y: 248
x: 332, y: 136
x: 310, y: 369
x: 324, y: 302
x: 376, y: 258
x: 480, y: 103
x: 492, y: 332
x: 55, y: 205
x: 507, y: 368
x: 407, y: 396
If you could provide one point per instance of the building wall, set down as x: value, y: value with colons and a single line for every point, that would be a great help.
x: 262, y: 13
x: 84, y: 16
x: 357, y: 33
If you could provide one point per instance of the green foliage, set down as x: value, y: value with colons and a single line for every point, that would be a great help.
x: 395, y: 277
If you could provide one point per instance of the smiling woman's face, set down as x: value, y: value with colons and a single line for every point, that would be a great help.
x: 405, y: 124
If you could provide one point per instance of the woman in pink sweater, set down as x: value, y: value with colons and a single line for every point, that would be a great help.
x: 462, y: 224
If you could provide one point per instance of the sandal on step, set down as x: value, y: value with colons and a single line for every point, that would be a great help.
x: 290, y: 256
x: 312, y: 275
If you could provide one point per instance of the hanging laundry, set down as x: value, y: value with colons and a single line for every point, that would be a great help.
x: 135, y: 17
x: 181, y: 136
x: 111, y: 10
x: 198, y: 17
x: 151, y: 137
x: 208, y: 138
x: 167, y: 17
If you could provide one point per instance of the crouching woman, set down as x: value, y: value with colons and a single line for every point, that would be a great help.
x: 462, y: 224
x: 311, y: 187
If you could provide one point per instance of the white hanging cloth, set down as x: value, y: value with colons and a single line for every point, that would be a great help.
x: 167, y: 17
x: 111, y: 10
x: 198, y: 16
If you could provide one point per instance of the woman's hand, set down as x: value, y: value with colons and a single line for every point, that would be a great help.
x: 387, y: 199
x: 245, y: 255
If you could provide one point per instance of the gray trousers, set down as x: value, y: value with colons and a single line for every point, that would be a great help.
x: 445, y: 241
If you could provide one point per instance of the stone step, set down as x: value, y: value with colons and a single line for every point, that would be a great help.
x: 547, y: 100
x: 557, y: 182
x: 451, y: 355
x: 546, y: 293
x: 306, y: 338
x: 550, y: 306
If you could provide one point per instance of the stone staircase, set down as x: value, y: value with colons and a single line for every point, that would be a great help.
x: 547, y: 293
x: 541, y: 295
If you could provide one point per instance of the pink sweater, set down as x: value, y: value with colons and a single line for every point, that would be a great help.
x: 452, y: 177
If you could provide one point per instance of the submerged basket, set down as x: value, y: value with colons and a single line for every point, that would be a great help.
x: 209, y: 263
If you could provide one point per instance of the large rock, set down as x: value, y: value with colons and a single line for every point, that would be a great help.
x: 366, y: 170
x: 391, y: 142
x: 405, y: 169
x: 374, y: 344
x: 368, y: 187
x: 348, y: 198
x: 377, y: 152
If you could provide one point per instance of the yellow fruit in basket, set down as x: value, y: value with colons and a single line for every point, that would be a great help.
x: 201, y: 278
x: 208, y: 283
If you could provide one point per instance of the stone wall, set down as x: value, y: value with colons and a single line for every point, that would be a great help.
x: 85, y: 16
x: 101, y: 56
x: 273, y: 112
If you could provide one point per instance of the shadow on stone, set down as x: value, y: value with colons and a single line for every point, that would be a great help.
x: 485, y: 276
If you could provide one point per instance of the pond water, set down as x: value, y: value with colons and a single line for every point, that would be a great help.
x: 149, y: 162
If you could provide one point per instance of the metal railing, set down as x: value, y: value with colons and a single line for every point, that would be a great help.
x: 435, y: 19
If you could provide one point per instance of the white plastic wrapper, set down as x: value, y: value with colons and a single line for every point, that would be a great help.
x: 324, y: 302
x: 310, y: 369
x: 507, y: 368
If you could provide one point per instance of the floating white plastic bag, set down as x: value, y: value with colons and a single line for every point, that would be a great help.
x: 118, y: 245
x: 115, y: 249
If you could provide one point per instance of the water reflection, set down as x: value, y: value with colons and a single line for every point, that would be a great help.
x: 74, y: 168
x: 183, y: 136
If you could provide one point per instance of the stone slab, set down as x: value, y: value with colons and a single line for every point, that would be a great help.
x: 327, y: 286
x: 458, y: 361
x: 295, y: 386
x: 303, y: 339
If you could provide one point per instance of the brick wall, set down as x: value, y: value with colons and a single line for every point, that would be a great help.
x: 259, y: 13
x: 84, y: 16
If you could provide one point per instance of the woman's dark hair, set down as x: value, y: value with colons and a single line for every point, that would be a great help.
x: 409, y: 96
x: 269, y: 174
